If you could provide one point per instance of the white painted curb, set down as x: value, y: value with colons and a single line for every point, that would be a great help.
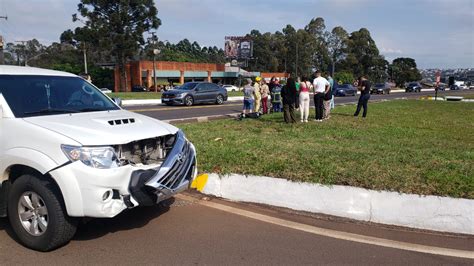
x: 422, y: 212
x: 140, y: 102
x: 158, y: 101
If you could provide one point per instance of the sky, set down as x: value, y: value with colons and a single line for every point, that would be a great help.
x: 436, y: 33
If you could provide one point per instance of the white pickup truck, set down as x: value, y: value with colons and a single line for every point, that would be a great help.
x: 68, y: 151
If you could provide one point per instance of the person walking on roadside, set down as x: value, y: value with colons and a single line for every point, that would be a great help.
x: 321, y: 87
x: 289, y: 100
x: 364, y: 88
x: 264, y: 91
x: 249, y: 93
x: 258, y: 96
x: 327, y: 99
x: 305, y: 86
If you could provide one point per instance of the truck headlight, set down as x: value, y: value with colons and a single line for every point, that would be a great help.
x: 96, y: 157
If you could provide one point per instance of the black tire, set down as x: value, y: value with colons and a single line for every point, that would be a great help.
x: 219, y: 99
x: 60, y: 227
x: 188, y: 100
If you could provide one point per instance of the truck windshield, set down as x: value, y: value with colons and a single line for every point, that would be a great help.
x: 48, y: 95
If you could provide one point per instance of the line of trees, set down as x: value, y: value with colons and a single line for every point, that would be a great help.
x: 301, y: 51
x: 114, y: 32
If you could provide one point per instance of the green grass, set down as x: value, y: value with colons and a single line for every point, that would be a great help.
x: 151, y: 95
x: 420, y: 147
x: 471, y: 96
x: 135, y: 95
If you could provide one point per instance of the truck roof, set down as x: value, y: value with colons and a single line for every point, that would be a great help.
x: 21, y: 70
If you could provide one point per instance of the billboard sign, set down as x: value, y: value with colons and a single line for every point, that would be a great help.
x: 238, y: 47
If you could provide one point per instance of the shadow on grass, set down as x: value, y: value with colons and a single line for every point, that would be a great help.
x: 341, y: 114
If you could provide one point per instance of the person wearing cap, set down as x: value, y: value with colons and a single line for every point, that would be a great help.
x: 320, y: 87
x: 258, y: 96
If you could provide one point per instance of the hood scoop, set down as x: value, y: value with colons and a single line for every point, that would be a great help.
x: 117, y: 122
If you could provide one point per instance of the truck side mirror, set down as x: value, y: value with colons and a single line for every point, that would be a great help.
x: 117, y: 101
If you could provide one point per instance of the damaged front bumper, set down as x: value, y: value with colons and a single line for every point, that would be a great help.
x: 175, y: 175
x: 101, y: 193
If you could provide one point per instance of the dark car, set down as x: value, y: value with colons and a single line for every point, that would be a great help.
x: 345, y: 90
x: 139, y: 88
x: 441, y: 87
x: 380, y: 88
x: 413, y: 87
x: 195, y: 92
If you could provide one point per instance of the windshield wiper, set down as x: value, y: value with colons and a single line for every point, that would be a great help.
x: 51, y: 111
x: 92, y: 109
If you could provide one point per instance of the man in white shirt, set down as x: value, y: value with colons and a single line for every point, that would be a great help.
x: 321, y: 87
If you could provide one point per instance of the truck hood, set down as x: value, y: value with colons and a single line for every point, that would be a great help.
x: 104, y: 128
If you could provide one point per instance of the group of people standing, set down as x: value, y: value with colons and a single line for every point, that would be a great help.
x: 295, y: 94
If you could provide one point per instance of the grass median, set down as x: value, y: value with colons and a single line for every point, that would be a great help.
x: 409, y: 146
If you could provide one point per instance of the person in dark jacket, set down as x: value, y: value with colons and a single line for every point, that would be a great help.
x: 364, y: 88
x: 289, y: 100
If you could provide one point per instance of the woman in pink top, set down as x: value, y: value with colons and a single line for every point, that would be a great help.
x: 305, y: 86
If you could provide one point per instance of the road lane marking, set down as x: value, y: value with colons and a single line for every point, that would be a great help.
x: 370, y: 240
x: 181, y: 108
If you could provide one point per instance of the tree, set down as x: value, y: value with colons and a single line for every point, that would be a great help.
x: 337, y: 45
x: 344, y: 77
x: 22, y: 52
x: 363, y: 57
x: 320, y: 56
x: 403, y: 70
x: 120, y: 25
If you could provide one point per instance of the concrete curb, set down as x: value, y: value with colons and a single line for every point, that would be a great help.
x: 200, y: 119
x: 423, y: 212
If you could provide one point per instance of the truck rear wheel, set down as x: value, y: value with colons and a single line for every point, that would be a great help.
x: 37, y: 214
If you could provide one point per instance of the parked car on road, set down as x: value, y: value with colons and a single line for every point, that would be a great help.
x: 380, y: 88
x: 345, y: 90
x: 195, y: 92
x: 230, y: 88
x: 413, y: 87
x: 441, y: 87
x: 139, y: 88
x: 68, y: 151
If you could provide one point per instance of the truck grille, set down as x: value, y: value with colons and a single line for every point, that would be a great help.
x: 180, y: 170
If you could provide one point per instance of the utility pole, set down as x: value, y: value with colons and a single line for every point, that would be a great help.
x: 152, y: 40
x: 296, y: 67
x: 2, y: 59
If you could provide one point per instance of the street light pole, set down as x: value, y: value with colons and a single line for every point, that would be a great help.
x: 85, y: 57
x: 155, y: 52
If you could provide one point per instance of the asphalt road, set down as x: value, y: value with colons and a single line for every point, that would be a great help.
x: 186, y: 231
x: 164, y: 112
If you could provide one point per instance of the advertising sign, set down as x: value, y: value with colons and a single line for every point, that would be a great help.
x: 238, y: 47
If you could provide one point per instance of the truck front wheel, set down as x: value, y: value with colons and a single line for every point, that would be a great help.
x: 37, y: 214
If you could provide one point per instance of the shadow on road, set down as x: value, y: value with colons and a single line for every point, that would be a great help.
x: 127, y: 220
